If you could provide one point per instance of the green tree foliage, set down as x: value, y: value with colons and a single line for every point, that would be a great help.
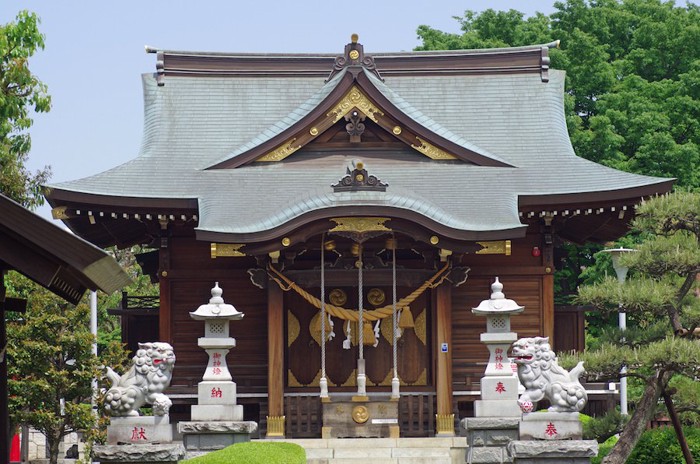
x: 51, y: 364
x: 666, y: 356
x: 21, y: 93
x: 633, y: 76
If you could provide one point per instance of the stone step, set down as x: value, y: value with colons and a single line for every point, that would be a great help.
x: 384, y: 450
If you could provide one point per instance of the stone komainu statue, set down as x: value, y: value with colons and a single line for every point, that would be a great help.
x: 542, y: 377
x: 143, y: 383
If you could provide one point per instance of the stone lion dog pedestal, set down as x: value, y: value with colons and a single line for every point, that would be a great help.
x: 553, y: 436
x: 132, y: 438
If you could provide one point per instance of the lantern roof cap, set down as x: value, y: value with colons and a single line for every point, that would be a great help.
x: 498, y: 303
x: 216, y: 308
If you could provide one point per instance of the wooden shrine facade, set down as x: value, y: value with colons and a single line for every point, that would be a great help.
x: 259, y: 171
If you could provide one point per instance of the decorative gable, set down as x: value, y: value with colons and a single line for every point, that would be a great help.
x: 356, y: 93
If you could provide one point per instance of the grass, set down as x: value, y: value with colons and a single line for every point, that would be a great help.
x: 254, y: 452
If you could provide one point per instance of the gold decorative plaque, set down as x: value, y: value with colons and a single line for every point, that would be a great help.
x: 355, y: 98
x: 498, y: 247
x: 226, y: 250
x: 360, y: 224
x: 397, y: 130
x: 354, y: 54
x: 337, y: 297
x: 360, y: 414
x: 313, y: 131
x: 431, y: 151
x: 60, y: 212
x: 376, y: 296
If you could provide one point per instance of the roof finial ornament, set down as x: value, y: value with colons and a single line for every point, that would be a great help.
x: 358, y: 179
x: 354, y: 59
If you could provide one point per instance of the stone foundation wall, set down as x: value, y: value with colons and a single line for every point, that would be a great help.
x: 38, y: 450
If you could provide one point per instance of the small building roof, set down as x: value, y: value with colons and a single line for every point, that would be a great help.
x: 54, y: 258
x: 472, y: 139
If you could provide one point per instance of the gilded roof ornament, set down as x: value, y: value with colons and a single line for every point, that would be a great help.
x: 355, y: 60
x: 357, y: 180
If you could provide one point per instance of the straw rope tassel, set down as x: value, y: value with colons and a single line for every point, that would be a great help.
x: 352, y: 315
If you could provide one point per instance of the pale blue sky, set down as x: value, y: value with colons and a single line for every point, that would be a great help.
x: 95, y: 55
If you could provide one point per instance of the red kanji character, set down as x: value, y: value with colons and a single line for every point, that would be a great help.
x: 216, y: 392
x: 500, y: 388
x: 499, y: 358
x: 217, y: 363
x: 499, y: 366
x: 217, y: 371
x: 499, y: 351
x: 139, y: 433
x: 551, y: 430
x: 216, y: 355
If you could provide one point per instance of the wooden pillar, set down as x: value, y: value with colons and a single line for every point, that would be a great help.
x: 5, y: 438
x: 548, y: 306
x: 443, y: 309
x: 548, y: 280
x: 164, y: 328
x: 275, y: 361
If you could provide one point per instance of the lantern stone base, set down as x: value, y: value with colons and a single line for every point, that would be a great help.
x: 217, y: 412
x: 360, y: 419
x: 551, y: 426
x: 553, y: 452
x: 169, y: 453
x: 206, y: 436
x: 496, y: 408
x: 139, y: 430
x: 488, y: 438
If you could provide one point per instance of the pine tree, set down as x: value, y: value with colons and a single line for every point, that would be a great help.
x: 658, y: 291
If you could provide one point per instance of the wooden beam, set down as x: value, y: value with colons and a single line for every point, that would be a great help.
x: 443, y: 310
x: 275, y: 355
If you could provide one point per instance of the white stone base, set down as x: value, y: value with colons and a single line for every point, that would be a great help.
x: 216, y: 393
x: 139, y: 430
x: 499, y: 388
x: 551, y: 426
x: 496, y: 408
x: 217, y: 412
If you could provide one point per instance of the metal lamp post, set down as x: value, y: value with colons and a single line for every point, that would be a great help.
x: 621, y: 272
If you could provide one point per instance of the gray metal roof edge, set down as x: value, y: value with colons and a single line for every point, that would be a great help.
x: 322, y: 199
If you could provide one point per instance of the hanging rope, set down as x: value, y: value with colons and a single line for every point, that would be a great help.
x: 352, y: 315
x: 393, y: 310
x: 360, y: 311
x: 323, y: 307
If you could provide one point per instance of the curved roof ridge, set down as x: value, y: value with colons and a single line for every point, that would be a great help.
x: 321, y: 198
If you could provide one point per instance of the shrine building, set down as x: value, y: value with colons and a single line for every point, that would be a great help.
x: 355, y: 208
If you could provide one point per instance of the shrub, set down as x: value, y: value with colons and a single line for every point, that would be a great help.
x: 661, y: 446
x: 254, y: 452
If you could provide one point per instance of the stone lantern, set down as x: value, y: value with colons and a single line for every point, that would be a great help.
x: 216, y: 391
x: 217, y: 421
x: 499, y: 386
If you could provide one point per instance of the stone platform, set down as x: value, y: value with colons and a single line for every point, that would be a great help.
x: 553, y: 452
x: 551, y: 426
x: 200, y: 437
x: 168, y: 453
x: 139, y: 430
